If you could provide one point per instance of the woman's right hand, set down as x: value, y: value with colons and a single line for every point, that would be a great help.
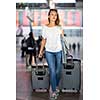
x: 40, y: 55
x: 42, y: 48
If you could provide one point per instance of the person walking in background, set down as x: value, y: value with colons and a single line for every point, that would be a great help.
x: 78, y: 46
x: 23, y: 47
x: 52, y: 33
x: 30, y: 52
x: 39, y: 43
x: 74, y: 47
x: 19, y: 31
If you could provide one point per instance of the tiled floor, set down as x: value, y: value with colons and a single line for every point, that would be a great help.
x: 23, y: 85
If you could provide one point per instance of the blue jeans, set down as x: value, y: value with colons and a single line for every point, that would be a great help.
x: 54, y: 60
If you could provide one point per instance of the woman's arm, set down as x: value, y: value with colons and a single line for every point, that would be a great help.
x: 62, y: 36
x: 62, y: 33
x: 42, y: 47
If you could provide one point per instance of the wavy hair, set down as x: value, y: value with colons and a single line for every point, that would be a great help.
x: 57, y: 20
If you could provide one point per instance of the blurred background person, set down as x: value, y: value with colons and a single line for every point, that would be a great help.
x: 19, y: 31
x: 39, y: 43
x: 74, y: 47
x: 30, y: 52
x: 23, y: 47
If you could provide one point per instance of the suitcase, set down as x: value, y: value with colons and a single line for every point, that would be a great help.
x: 71, y: 70
x: 71, y: 75
x: 40, y: 76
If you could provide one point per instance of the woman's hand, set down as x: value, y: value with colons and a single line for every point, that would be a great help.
x: 42, y: 48
x: 40, y: 55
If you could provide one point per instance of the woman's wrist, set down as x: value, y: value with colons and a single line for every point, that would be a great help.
x: 40, y: 52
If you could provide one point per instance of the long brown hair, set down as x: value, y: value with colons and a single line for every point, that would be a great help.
x: 57, y: 20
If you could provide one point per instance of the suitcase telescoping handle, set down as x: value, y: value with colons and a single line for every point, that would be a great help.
x: 70, y: 62
x: 40, y: 69
x: 40, y: 60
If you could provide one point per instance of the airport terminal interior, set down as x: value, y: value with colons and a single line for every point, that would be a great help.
x: 71, y: 19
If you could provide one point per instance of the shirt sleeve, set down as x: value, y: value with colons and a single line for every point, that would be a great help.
x: 44, y: 32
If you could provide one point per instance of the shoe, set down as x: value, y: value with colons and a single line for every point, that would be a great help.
x: 53, y: 97
x: 57, y: 92
x: 29, y: 68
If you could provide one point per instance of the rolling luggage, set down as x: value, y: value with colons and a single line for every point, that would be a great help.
x: 40, y: 76
x: 71, y: 70
x: 71, y: 75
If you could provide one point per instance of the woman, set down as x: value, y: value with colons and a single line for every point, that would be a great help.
x: 53, y: 50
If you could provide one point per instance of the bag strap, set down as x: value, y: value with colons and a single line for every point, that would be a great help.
x: 65, y: 52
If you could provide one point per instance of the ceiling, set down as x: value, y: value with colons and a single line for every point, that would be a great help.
x: 44, y: 4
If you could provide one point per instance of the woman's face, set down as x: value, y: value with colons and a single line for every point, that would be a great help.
x: 53, y: 16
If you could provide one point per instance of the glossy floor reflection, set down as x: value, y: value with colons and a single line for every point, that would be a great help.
x: 23, y: 84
